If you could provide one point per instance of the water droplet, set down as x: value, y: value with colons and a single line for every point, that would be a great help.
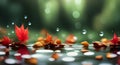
x: 12, y: 32
x: 7, y: 26
x: 57, y: 29
x: 12, y: 23
x: 9, y: 34
x: 101, y: 34
x: 84, y: 31
x: 25, y: 17
x: 29, y: 23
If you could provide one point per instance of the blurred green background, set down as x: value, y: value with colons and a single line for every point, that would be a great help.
x: 87, y: 19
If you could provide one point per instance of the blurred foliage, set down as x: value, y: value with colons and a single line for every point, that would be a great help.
x: 69, y: 16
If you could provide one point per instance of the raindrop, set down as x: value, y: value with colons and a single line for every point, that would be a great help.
x: 25, y: 17
x: 12, y: 32
x: 12, y: 23
x: 29, y: 23
x: 101, y: 34
x: 57, y: 29
x: 7, y: 26
x: 84, y: 31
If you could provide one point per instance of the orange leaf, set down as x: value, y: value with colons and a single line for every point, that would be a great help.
x: 70, y: 39
x: 21, y: 33
x: 48, y: 38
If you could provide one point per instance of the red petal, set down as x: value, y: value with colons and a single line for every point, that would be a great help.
x: 115, y: 39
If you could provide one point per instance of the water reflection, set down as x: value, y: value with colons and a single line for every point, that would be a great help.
x: 68, y: 59
x: 10, y: 61
x: 84, y: 31
x: 57, y: 29
x: 105, y: 64
x: 51, y: 59
x: 72, y: 54
x: 87, y: 63
x: 89, y: 53
x: 44, y: 51
x: 2, y: 53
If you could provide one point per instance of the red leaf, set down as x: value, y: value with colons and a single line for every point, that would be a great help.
x: 6, y: 41
x: 23, y: 50
x: 115, y: 39
x: 21, y: 33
